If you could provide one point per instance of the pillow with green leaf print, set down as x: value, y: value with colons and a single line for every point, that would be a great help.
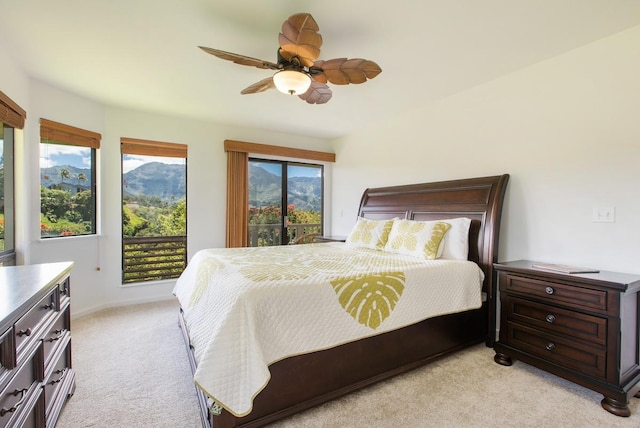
x: 368, y: 233
x: 417, y: 238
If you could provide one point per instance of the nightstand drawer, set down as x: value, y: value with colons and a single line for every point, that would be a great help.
x: 567, y: 353
x: 554, y: 292
x: 554, y: 319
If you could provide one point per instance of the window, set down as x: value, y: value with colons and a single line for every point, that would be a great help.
x: 12, y: 117
x: 67, y: 180
x: 283, y: 196
x: 7, y: 227
x: 238, y: 186
x: 154, y: 210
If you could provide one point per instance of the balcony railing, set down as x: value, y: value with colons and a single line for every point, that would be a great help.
x: 165, y: 257
x: 153, y: 258
x: 261, y: 235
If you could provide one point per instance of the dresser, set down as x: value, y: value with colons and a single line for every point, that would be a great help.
x: 581, y: 327
x: 36, y: 377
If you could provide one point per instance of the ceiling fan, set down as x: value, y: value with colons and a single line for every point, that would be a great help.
x: 299, y: 72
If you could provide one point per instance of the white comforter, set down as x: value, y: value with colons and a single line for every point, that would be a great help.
x: 249, y: 307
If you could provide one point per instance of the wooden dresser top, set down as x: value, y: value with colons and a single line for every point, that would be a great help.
x: 22, y: 286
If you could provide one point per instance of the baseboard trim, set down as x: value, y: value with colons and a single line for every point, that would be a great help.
x: 118, y: 304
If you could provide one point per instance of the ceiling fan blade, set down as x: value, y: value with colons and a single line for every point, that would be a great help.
x: 318, y: 93
x: 300, y: 38
x: 261, y: 86
x: 240, y: 59
x: 318, y: 76
x: 342, y: 71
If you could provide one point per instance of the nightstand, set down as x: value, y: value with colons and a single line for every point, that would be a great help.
x: 581, y: 327
x: 330, y: 239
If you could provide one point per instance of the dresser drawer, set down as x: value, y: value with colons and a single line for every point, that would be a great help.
x: 55, y: 335
x: 59, y: 374
x: 30, y: 413
x: 27, y: 328
x: 558, y: 293
x: 557, y: 320
x: 64, y: 291
x: 7, y: 352
x: 18, y: 391
x: 571, y: 354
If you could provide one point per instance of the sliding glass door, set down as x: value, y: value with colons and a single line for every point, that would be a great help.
x: 285, y: 201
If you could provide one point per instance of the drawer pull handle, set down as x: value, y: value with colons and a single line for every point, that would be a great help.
x: 58, y: 337
x: 550, y: 346
x: 64, y: 373
x: 26, y: 332
x: 17, y: 392
x: 549, y: 290
x: 550, y: 318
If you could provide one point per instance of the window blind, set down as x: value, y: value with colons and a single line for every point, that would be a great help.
x: 134, y: 146
x: 11, y: 113
x: 58, y: 133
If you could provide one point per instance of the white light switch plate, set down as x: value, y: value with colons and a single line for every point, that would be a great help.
x: 604, y: 215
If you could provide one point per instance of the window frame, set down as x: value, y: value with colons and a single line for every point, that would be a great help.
x: 58, y: 133
x: 285, y: 164
x: 12, y: 117
x: 8, y: 255
x: 134, y: 146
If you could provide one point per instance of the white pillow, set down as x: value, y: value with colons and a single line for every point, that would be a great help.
x: 371, y: 234
x: 456, y: 241
x: 417, y: 238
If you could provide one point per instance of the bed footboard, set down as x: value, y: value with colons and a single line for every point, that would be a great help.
x: 305, y: 381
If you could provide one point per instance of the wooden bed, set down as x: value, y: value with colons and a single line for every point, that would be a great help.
x: 304, y: 381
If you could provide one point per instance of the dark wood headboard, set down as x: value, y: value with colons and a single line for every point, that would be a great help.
x: 479, y: 199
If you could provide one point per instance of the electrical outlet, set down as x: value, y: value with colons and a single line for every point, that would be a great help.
x: 604, y: 215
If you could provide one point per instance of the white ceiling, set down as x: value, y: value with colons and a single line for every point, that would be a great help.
x: 142, y: 54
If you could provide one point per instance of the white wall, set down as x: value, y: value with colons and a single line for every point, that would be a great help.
x: 96, y: 277
x: 567, y: 130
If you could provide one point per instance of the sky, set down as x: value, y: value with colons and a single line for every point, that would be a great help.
x: 58, y: 154
x: 294, y: 170
x: 131, y: 162
x: 79, y: 157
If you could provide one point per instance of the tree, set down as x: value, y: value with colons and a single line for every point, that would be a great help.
x: 54, y: 203
x: 82, y: 204
x: 175, y: 224
x: 82, y: 177
x: 64, y: 173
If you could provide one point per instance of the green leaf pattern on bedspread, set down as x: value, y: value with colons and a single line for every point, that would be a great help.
x: 368, y: 283
x: 205, y: 271
x: 370, y: 299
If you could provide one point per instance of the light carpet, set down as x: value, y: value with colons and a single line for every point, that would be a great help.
x: 132, y: 371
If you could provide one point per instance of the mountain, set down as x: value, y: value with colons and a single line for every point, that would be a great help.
x: 78, y: 178
x: 305, y: 193
x: 166, y: 181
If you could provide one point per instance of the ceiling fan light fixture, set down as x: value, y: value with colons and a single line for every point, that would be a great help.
x: 292, y: 82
